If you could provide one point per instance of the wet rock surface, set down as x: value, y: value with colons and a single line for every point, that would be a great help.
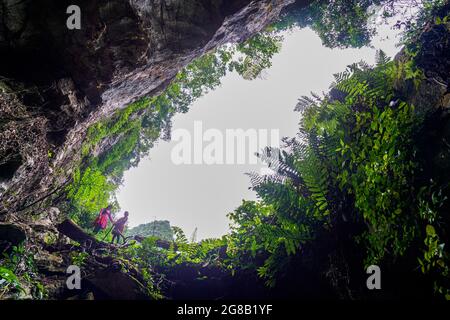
x: 114, y: 284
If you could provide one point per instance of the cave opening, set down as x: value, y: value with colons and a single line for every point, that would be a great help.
x: 206, y: 193
x: 222, y: 150
x: 9, y: 166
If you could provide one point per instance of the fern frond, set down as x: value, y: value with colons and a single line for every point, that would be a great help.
x: 381, y: 58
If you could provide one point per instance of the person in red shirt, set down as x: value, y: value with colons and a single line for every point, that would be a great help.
x: 119, y: 226
x: 101, y: 222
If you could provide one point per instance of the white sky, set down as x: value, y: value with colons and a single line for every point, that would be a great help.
x: 200, y: 196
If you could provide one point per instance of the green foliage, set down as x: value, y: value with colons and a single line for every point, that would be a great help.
x: 153, y: 262
x: 121, y: 141
x: 18, y: 272
x: 351, y: 23
x: 181, y: 251
x: 376, y: 155
x: 147, y: 253
x: 339, y: 23
x: 255, y: 54
x: 259, y: 228
x: 356, y: 149
x: 89, y: 190
x: 158, y: 229
x: 436, y: 259
x: 430, y: 11
x: 344, y: 23
x: 7, y: 277
x: 355, y: 152
x: 143, y: 258
x: 378, y: 168
x: 78, y: 258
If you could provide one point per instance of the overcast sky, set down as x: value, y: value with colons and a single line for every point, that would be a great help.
x: 200, y: 196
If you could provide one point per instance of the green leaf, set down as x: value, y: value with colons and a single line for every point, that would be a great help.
x: 430, y: 230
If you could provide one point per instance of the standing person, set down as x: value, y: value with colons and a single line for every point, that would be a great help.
x: 119, y: 226
x: 101, y: 222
